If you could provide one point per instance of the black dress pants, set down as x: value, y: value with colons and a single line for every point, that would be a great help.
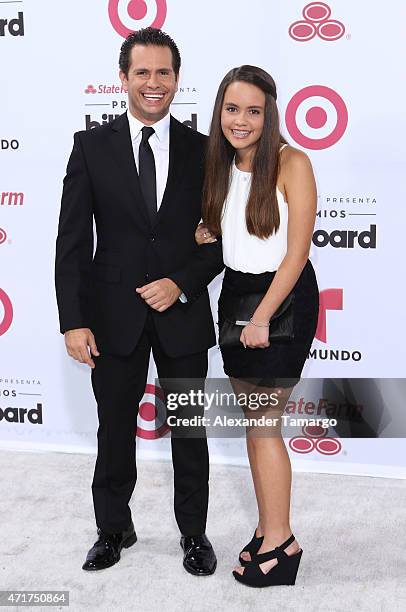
x: 119, y: 385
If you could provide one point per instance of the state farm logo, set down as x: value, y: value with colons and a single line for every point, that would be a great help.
x: 316, y: 117
x: 151, y: 423
x: 316, y: 22
x: 3, y: 235
x: 11, y: 198
x: 7, y: 317
x: 105, y: 89
x: 128, y: 16
x: 315, y: 438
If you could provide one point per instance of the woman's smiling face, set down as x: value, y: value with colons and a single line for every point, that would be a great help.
x: 242, y: 115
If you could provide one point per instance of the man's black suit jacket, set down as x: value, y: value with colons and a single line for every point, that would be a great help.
x: 98, y: 291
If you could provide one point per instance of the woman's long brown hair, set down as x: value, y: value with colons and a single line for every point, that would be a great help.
x: 262, y: 212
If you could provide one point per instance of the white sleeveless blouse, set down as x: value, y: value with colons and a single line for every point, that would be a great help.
x: 242, y: 251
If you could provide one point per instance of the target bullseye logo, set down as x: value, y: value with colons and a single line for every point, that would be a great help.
x: 3, y: 235
x: 128, y: 16
x: 5, y: 302
x: 315, y: 438
x: 152, y: 414
x: 316, y: 117
x: 316, y: 22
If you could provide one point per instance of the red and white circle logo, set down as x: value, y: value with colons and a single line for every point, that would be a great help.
x: 152, y: 414
x: 3, y: 235
x: 316, y: 117
x: 315, y: 438
x: 6, y: 305
x: 316, y: 22
x: 128, y: 16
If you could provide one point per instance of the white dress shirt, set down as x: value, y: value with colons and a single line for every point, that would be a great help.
x: 159, y: 143
x: 160, y: 147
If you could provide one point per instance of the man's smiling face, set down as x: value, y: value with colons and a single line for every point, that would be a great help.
x: 151, y: 82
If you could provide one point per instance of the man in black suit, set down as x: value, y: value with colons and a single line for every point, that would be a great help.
x: 145, y: 289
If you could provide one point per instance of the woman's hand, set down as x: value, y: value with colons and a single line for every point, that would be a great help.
x: 255, y: 337
x: 203, y: 236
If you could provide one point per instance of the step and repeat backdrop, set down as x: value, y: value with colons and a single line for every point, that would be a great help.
x: 341, y: 100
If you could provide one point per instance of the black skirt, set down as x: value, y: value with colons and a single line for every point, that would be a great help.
x: 281, y: 364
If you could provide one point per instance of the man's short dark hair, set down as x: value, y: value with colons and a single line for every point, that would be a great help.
x: 148, y: 36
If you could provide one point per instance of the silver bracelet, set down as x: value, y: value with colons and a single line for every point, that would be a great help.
x: 259, y: 324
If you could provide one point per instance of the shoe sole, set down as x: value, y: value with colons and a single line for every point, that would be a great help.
x: 126, y: 544
x: 295, y: 561
x: 264, y: 586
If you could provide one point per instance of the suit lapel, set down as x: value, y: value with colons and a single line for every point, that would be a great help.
x: 124, y: 156
x: 177, y: 158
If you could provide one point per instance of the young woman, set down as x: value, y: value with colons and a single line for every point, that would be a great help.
x: 260, y: 197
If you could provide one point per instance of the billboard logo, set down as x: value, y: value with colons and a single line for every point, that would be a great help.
x: 3, y: 235
x: 316, y: 22
x: 128, y: 16
x: 93, y: 123
x: 15, y: 26
x: 152, y: 414
x: 90, y: 89
x: 22, y: 415
x: 5, y: 302
x: 346, y: 239
x: 316, y: 117
x: 329, y: 299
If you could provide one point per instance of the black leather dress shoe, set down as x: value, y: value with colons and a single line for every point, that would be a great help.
x: 106, y: 551
x: 199, y: 558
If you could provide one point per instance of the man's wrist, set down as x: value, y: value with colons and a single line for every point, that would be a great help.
x: 178, y: 290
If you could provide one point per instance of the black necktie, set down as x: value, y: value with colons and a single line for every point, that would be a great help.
x: 146, y: 170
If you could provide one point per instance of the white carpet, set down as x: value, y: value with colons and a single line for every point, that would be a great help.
x: 351, y: 530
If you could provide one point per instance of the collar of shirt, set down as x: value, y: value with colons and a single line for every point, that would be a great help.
x: 161, y: 128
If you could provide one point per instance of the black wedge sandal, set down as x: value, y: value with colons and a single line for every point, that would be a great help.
x: 284, y: 572
x: 252, y: 547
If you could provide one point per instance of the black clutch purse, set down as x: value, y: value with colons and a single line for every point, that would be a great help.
x: 236, y: 311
